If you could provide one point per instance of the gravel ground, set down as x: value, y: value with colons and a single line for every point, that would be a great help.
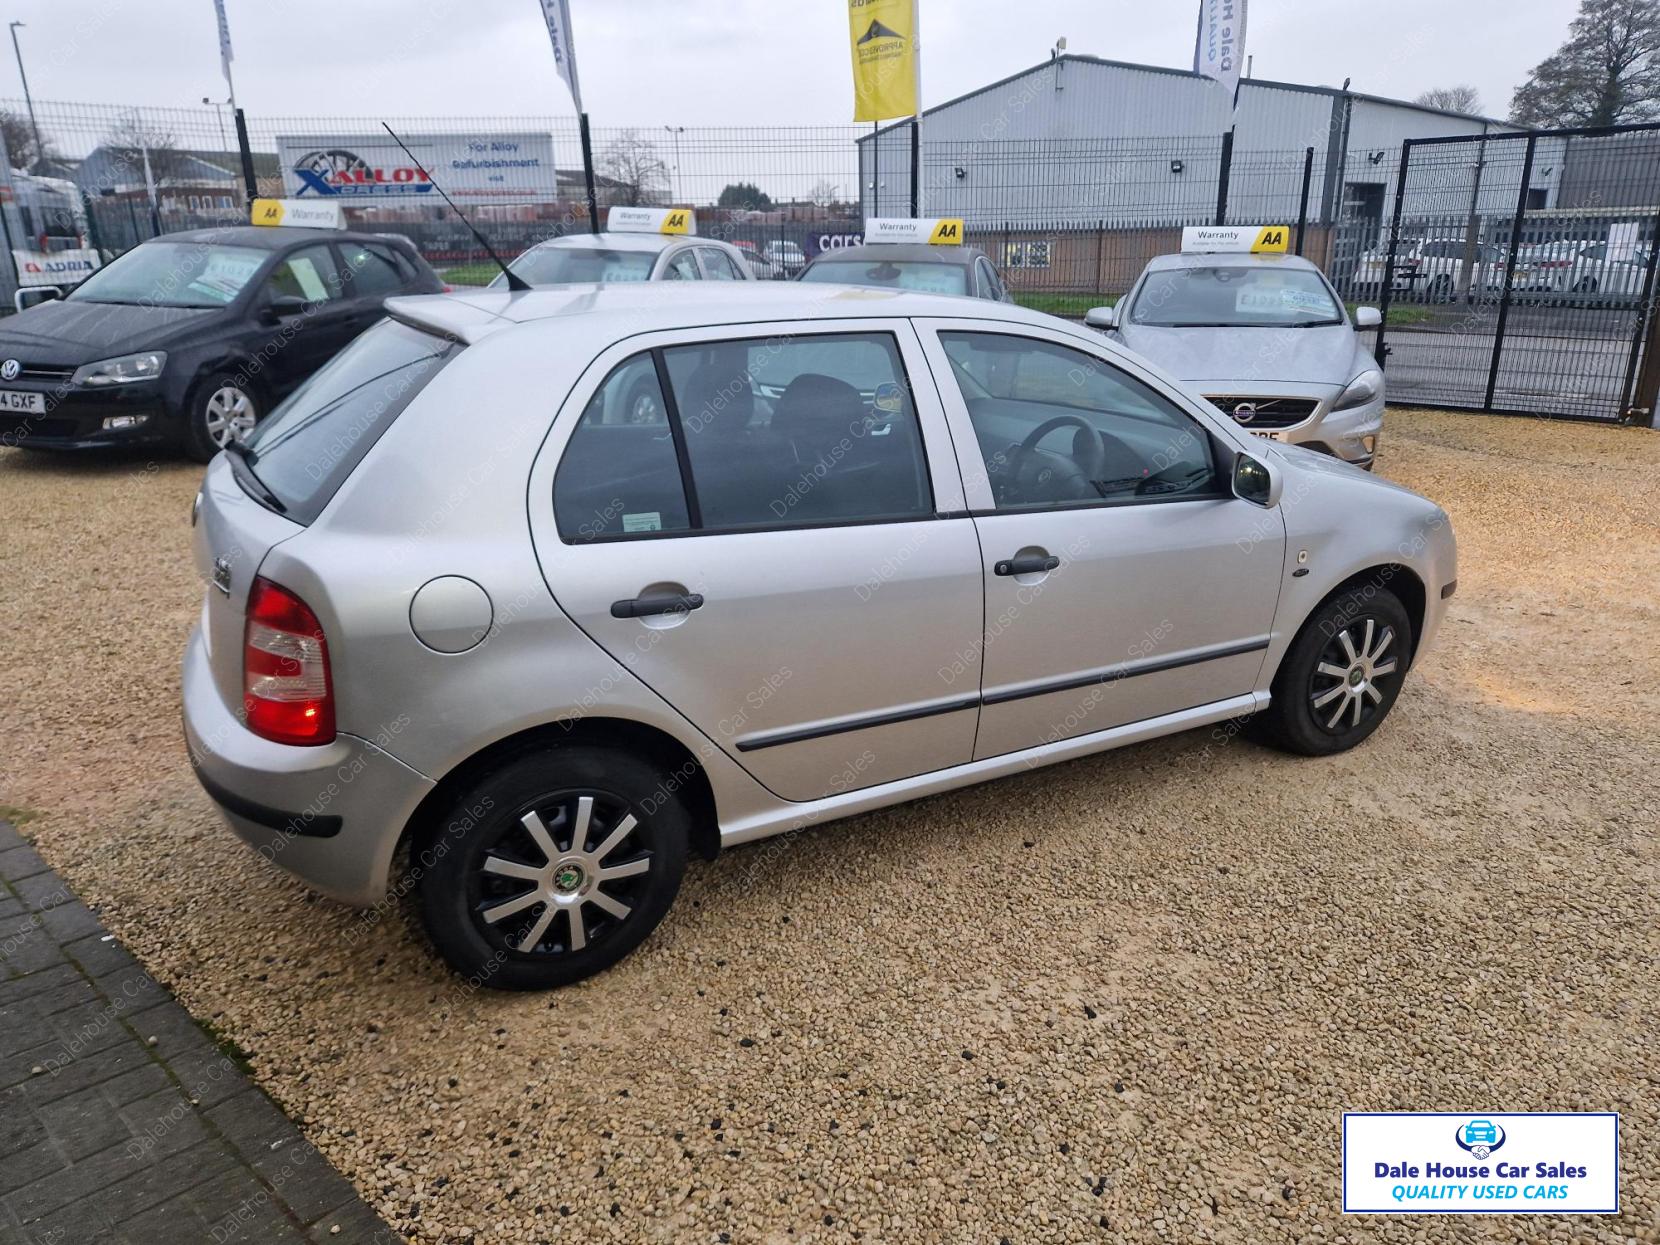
x: 1122, y: 999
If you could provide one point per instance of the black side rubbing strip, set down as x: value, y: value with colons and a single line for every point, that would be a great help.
x: 858, y: 724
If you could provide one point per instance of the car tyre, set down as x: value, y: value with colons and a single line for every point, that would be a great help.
x: 1341, y: 675
x: 221, y: 407
x: 552, y: 867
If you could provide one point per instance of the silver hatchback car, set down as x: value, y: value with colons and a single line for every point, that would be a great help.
x: 466, y: 605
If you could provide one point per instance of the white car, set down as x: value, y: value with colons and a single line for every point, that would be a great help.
x: 1432, y: 269
x: 1579, y: 266
x: 634, y: 247
x: 787, y: 255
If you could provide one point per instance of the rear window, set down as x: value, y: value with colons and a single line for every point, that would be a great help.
x: 308, y: 446
x: 931, y: 278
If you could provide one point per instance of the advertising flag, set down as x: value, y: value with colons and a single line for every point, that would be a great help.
x: 558, y: 15
x: 883, y: 35
x: 1219, y: 49
x: 225, y: 57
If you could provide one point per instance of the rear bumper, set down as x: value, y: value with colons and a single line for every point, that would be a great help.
x: 330, y: 815
x: 74, y: 420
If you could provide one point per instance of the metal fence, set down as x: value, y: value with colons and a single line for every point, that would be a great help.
x: 1459, y: 237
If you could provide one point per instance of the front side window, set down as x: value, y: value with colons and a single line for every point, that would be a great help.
x: 372, y: 270
x: 775, y: 432
x: 683, y: 267
x: 619, y: 475
x: 1059, y: 427
x: 307, y: 274
x: 1235, y: 297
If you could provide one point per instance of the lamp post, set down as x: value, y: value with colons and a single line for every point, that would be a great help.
x: 679, y: 184
x: 28, y: 99
x: 223, y: 144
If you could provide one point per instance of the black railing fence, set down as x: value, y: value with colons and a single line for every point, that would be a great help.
x: 1516, y: 272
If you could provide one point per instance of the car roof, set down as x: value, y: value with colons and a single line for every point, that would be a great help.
x: 905, y: 252
x: 1197, y: 259
x: 266, y: 238
x: 623, y: 309
x: 621, y: 241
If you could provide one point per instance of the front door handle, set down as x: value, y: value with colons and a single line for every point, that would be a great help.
x: 1027, y: 564
x: 668, y: 603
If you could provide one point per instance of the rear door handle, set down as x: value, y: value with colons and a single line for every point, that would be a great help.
x: 668, y: 603
x: 1027, y: 564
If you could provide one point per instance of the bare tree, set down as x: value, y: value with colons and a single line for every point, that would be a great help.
x: 19, y: 134
x: 1460, y: 98
x: 1607, y: 73
x: 637, y: 169
x: 824, y: 194
x: 134, y: 140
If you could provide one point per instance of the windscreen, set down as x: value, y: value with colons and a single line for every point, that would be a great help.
x: 1234, y: 298
x: 310, y: 444
x: 572, y: 265
x: 900, y: 275
x: 174, y: 274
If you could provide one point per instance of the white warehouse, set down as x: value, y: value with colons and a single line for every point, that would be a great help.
x: 1080, y: 141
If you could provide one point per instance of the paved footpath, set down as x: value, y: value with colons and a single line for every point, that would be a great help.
x: 121, y: 1121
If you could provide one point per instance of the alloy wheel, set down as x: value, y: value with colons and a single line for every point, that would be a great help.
x: 229, y: 415
x: 563, y: 877
x: 1344, y: 689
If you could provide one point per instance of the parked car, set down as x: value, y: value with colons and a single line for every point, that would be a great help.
x: 1221, y: 323
x: 190, y: 338
x: 617, y: 257
x: 787, y: 255
x: 761, y: 266
x: 1432, y: 270
x: 1570, y: 266
x: 921, y: 266
x: 636, y: 641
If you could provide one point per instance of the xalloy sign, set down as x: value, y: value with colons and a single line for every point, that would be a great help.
x: 476, y: 168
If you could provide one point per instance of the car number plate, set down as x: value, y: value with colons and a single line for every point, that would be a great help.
x: 22, y: 400
x: 1267, y: 436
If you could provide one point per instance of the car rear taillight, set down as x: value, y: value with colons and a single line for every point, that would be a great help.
x: 286, y: 691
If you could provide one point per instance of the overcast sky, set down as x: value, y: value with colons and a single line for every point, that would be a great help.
x: 718, y: 62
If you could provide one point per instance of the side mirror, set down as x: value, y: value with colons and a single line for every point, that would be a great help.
x: 282, y: 306
x: 1101, y: 317
x: 1256, y: 481
x: 1368, y: 317
x: 35, y: 295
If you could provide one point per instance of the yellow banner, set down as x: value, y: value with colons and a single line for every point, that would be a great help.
x: 883, y: 34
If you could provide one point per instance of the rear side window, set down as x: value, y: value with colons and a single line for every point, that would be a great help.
x: 619, y: 475
x: 372, y: 270
x: 308, y: 446
x: 753, y: 433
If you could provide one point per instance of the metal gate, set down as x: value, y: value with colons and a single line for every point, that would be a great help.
x: 1517, y: 273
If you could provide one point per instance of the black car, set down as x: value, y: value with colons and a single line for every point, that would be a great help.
x: 933, y: 269
x: 191, y: 338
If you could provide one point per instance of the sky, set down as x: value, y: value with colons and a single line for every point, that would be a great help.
x: 718, y: 62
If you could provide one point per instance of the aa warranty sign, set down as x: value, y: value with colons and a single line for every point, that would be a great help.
x: 1439, y: 1163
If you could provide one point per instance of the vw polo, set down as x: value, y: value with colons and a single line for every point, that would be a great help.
x: 870, y: 545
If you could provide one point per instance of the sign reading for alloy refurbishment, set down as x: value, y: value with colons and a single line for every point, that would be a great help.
x: 479, y: 167
x: 1442, y: 1163
x: 883, y: 33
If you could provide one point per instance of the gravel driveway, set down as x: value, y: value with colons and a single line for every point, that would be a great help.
x: 1122, y: 999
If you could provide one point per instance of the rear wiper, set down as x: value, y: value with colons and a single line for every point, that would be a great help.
x: 242, y: 468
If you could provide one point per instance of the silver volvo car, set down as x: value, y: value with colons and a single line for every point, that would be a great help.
x: 472, y: 618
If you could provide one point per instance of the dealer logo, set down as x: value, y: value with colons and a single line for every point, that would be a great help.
x: 879, y: 31
x: 9, y: 369
x: 337, y: 171
x: 1479, y: 1137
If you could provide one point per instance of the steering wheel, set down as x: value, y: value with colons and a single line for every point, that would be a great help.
x: 1074, y: 480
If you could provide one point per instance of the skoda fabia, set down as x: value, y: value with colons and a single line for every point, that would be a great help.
x: 471, y: 619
